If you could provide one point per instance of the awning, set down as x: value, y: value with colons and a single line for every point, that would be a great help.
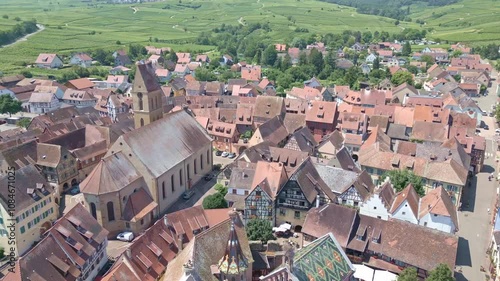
x: 363, y: 272
x: 381, y: 275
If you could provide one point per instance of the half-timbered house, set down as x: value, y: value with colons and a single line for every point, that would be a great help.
x: 304, y: 190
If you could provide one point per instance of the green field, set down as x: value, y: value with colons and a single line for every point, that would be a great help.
x: 69, y: 23
x: 475, y: 21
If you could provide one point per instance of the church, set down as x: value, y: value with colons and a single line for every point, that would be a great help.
x: 148, y: 169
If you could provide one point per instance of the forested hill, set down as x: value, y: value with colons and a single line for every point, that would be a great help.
x: 396, y: 9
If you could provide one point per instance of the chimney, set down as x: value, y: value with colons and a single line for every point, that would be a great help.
x: 317, y: 201
x: 165, y: 220
x: 129, y: 253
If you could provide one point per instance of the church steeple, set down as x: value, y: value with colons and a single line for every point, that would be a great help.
x: 233, y: 263
x: 146, y: 95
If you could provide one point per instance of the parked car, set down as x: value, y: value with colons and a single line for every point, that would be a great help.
x: 497, y: 130
x: 486, y: 127
x: 484, y: 113
x: 225, y: 154
x: 126, y: 236
x: 245, y: 140
x: 188, y: 194
x: 231, y: 155
x: 218, y: 153
x: 209, y: 177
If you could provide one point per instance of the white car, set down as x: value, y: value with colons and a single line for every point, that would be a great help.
x: 126, y: 236
x: 225, y: 154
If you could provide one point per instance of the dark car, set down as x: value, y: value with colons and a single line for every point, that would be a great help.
x: 486, y: 127
x: 218, y: 153
x: 209, y: 177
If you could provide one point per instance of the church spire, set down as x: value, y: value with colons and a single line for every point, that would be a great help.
x: 233, y: 262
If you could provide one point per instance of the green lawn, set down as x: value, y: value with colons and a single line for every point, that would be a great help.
x: 69, y: 23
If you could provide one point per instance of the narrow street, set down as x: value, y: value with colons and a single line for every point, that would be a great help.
x: 479, y: 198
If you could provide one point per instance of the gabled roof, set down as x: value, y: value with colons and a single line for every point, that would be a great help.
x: 319, y: 221
x: 45, y: 58
x: 310, y: 182
x: 41, y: 97
x: 80, y: 83
x: 437, y: 201
x: 273, y: 131
x: 270, y: 176
x: 178, y: 131
x: 66, y: 248
x: 410, y: 196
x: 386, y: 194
x: 30, y: 186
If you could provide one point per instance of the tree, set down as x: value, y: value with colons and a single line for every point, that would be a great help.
x: 24, y: 123
x: 401, y: 178
x: 406, y: 49
x: 2, y: 252
x: 441, y: 273
x: 173, y: 57
x: 408, y: 274
x: 497, y: 65
x: 221, y: 189
x: 376, y: 63
x: 259, y: 229
x: 316, y: 59
x: 401, y: 77
x: 214, y: 201
x: 203, y: 74
x: 269, y: 55
x: 9, y: 105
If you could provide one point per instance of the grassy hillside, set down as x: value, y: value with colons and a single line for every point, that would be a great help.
x: 70, y: 24
x: 74, y: 25
x: 475, y: 21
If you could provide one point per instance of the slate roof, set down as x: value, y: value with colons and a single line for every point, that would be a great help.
x: 323, y: 259
x: 339, y: 180
x: 177, y: 131
x: 111, y: 174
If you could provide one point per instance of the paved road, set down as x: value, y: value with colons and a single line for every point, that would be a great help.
x: 201, y: 189
x: 474, y: 220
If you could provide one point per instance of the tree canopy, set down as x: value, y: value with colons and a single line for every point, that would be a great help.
x: 441, y: 273
x: 401, y: 77
x: 401, y: 178
x: 9, y: 105
x: 214, y: 201
x: 259, y: 229
x: 408, y: 274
